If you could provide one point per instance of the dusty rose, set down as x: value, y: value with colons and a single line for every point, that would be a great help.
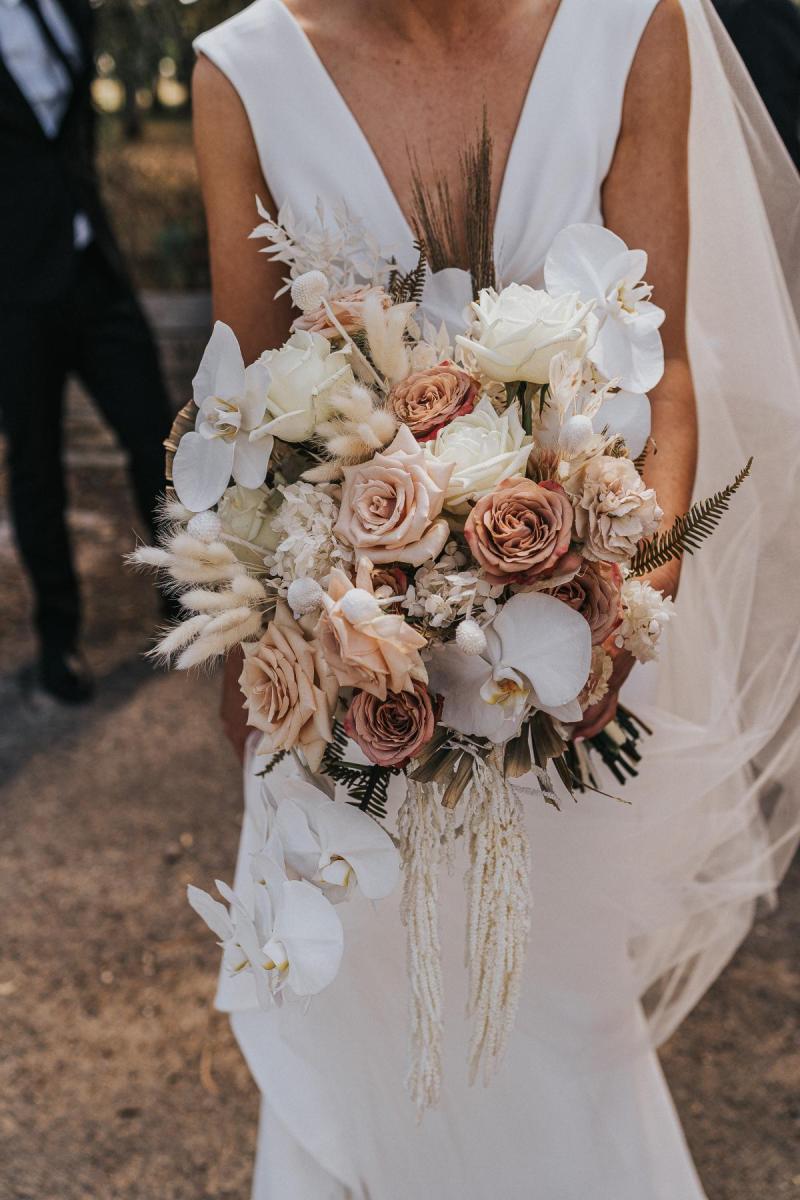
x: 392, y: 731
x: 521, y: 532
x: 390, y: 581
x: 427, y: 400
x: 614, y: 509
x: 595, y: 593
x: 290, y: 692
x: 348, y: 308
x: 364, y: 646
x: 390, y: 505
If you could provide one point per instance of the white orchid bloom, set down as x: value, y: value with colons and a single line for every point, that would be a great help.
x: 290, y: 936
x: 597, y: 265
x: 538, y: 656
x: 231, y: 400
x: 334, y: 845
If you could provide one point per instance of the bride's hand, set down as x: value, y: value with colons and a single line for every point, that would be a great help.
x: 599, y: 715
x: 232, y: 712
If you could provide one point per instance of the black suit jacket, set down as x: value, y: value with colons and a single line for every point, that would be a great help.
x: 45, y: 181
x: 767, y: 35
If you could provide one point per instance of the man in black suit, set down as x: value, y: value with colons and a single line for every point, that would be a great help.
x: 66, y: 306
x: 767, y: 35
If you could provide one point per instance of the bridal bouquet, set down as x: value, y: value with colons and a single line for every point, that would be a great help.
x: 428, y: 548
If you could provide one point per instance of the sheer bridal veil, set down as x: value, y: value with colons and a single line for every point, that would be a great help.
x: 725, y: 755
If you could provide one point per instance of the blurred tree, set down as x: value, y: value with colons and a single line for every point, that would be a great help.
x: 135, y: 38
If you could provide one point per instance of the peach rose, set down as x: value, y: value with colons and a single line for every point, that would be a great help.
x: 347, y: 307
x: 427, y: 400
x: 521, y: 532
x: 364, y: 646
x: 290, y: 692
x: 595, y: 593
x: 391, y: 731
x: 390, y: 505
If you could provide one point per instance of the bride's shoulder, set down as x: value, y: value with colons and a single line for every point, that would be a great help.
x: 664, y: 48
x: 253, y: 30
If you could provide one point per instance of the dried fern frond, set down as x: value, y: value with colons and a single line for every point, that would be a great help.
x: 689, y: 531
x: 476, y: 174
x: 409, y: 287
x: 444, y: 243
x: 641, y: 459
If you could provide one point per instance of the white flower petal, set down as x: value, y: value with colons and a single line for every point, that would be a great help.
x: 630, y: 351
x: 458, y: 678
x: 340, y: 831
x: 253, y: 403
x: 627, y: 414
x: 251, y: 460
x: 548, y: 642
x: 201, y: 470
x: 214, y: 914
x: 578, y: 261
x: 221, y: 370
x: 310, y: 929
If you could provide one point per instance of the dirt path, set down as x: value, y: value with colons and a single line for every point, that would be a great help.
x: 116, y: 1082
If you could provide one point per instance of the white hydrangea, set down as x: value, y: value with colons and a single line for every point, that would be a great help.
x: 308, y: 548
x: 645, y: 613
x: 443, y: 592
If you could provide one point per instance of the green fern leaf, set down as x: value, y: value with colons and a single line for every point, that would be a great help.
x: 689, y: 531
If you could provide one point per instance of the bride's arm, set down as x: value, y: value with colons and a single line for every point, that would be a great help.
x: 244, y: 281
x: 646, y: 202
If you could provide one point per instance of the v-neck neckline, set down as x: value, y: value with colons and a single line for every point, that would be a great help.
x: 537, y: 73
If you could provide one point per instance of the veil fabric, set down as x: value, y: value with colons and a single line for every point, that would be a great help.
x: 727, y: 745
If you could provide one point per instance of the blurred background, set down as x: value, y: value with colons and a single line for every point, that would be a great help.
x: 117, y: 1081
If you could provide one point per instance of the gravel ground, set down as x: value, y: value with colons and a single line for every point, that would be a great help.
x: 117, y: 1082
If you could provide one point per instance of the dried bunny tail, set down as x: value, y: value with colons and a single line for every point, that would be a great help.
x: 329, y: 472
x: 149, y: 556
x: 249, y: 588
x: 219, y: 636
x: 358, y: 426
x: 208, y: 600
x: 184, y: 546
x: 177, y: 637
x: 170, y: 511
x: 385, y: 329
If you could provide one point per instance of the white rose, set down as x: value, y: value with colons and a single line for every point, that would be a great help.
x: 484, y: 449
x: 517, y: 332
x: 247, y: 513
x: 302, y: 371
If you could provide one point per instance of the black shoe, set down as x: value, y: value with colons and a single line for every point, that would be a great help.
x: 64, y: 674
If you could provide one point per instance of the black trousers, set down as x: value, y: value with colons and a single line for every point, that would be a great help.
x: 96, y: 331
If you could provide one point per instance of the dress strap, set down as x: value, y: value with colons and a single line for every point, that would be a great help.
x: 308, y: 142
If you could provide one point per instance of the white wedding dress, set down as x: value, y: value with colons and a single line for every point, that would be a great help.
x: 624, y: 895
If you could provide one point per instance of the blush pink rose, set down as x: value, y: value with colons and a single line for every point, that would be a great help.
x: 392, y: 731
x: 427, y: 400
x: 390, y: 506
x: 376, y: 651
x: 289, y: 689
x: 521, y: 532
x: 348, y: 308
x: 595, y: 593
